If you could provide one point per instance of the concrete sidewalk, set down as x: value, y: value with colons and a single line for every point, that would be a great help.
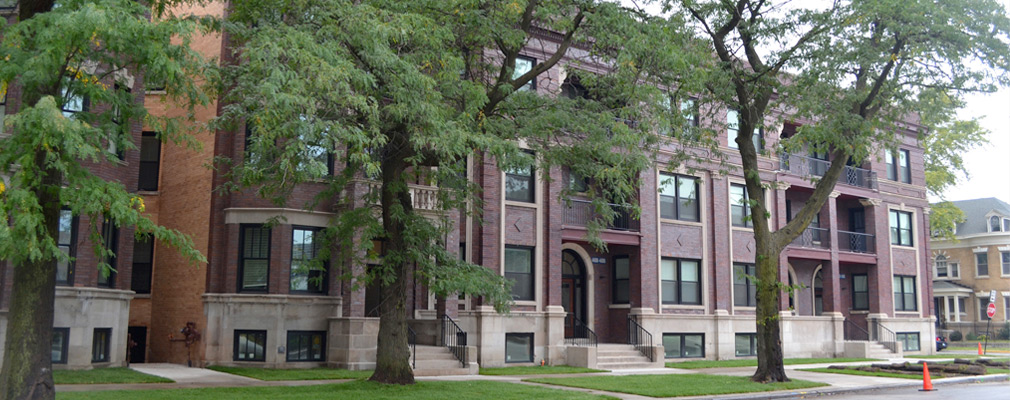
x: 188, y: 378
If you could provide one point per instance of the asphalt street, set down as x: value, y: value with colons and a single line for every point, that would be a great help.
x: 981, y: 391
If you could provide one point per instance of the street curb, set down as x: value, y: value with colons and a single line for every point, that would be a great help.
x: 836, y: 391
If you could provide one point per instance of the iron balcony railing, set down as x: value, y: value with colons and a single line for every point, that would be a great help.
x: 580, y: 212
x: 412, y: 341
x: 581, y: 335
x: 855, y: 242
x: 813, y: 237
x: 809, y: 166
x: 454, y: 338
x: 640, y: 338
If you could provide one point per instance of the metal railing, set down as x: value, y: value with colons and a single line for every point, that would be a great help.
x: 580, y: 212
x: 812, y: 237
x: 853, y: 331
x: 884, y: 336
x: 412, y: 342
x: 640, y: 338
x: 581, y: 334
x: 454, y: 338
x: 809, y: 166
x: 855, y: 242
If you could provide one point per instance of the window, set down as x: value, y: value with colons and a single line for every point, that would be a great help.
x: 994, y: 223
x: 250, y: 345
x: 955, y: 269
x: 519, y: 269
x: 684, y: 345
x: 306, y: 346
x: 746, y: 344
x: 524, y: 65
x: 904, y: 293
x: 305, y: 246
x: 909, y: 340
x: 744, y: 291
x: 110, y: 237
x: 688, y: 112
x: 66, y: 240
x: 519, y: 184
x: 73, y: 103
x: 518, y: 347
x: 61, y: 341
x: 254, y: 258
x: 689, y: 109
x: 315, y: 155
x: 1006, y: 308
x: 681, y: 281
x: 733, y: 130
x: 860, y: 292
x: 983, y: 303
x: 100, y: 345
x: 739, y: 204
x: 3, y: 106
x: 678, y: 197
x: 150, y: 161
x: 1006, y: 224
x: 982, y: 264
x: 122, y: 129
x: 577, y: 182
x: 901, y: 228
x: 622, y: 273
x: 897, y: 167
x: 1005, y: 261
x: 942, y: 268
x: 143, y: 257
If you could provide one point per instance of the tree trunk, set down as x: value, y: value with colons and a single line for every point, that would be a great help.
x: 27, y: 364
x: 771, y: 367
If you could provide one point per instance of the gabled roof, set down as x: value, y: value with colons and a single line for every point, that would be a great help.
x: 975, y: 212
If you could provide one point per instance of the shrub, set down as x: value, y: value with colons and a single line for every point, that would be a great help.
x: 956, y: 336
x: 1004, y: 332
x: 971, y: 336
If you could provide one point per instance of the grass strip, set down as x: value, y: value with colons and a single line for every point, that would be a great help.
x: 428, y: 390
x: 105, y: 375
x: 307, y: 374
x: 675, y: 385
x: 862, y: 373
x: 753, y: 362
x: 532, y: 370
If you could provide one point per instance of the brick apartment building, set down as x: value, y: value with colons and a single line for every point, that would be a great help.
x: 671, y: 282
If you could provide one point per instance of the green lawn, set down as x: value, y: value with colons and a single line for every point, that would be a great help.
x: 753, y: 363
x: 309, y: 374
x: 546, y: 370
x: 989, y: 370
x: 105, y: 375
x: 352, y: 390
x: 675, y: 385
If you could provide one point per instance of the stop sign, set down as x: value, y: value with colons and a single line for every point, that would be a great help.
x: 991, y: 310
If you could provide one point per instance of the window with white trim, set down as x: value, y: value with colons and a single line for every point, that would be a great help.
x: 744, y: 290
x: 1005, y: 262
x: 678, y: 197
x: 519, y: 269
x: 982, y: 264
x: 904, y: 293
x: 897, y: 166
x: 901, y: 228
x: 523, y: 65
x: 739, y: 204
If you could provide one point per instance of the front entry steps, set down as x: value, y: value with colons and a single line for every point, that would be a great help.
x: 439, y: 361
x: 620, y: 356
x: 868, y: 349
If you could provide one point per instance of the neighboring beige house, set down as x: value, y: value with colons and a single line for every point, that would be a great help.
x: 964, y: 272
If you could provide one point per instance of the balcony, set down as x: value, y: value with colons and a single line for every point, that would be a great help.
x: 855, y: 242
x: 581, y: 212
x: 815, y: 238
x: 809, y: 166
x: 423, y: 198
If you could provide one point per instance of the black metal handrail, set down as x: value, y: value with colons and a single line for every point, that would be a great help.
x: 812, y: 237
x: 580, y: 212
x: 412, y: 341
x: 855, y: 332
x: 856, y: 242
x: 884, y: 336
x: 809, y: 166
x: 581, y: 334
x: 454, y: 338
x: 640, y: 338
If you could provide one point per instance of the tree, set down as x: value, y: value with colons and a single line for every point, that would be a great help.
x: 857, y: 69
x: 56, y: 57
x: 403, y: 92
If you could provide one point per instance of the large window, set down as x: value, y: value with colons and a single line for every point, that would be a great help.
x: 150, y: 161
x: 739, y: 204
x: 994, y: 223
x: 524, y: 65
x: 684, y: 345
x: 901, y: 227
x: 143, y: 258
x: 982, y: 264
x: 681, y: 281
x: 73, y: 103
x: 518, y: 347
x: 983, y: 303
x: 100, y: 345
x: 61, y: 341
x: 904, y: 293
x: 909, y: 341
x: 66, y: 240
x: 254, y: 258
x: 519, y: 269
x: 733, y: 130
x: 746, y: 344
x: 110, y: 237
x: 1005, y: 261
x: 897, y: 167
x: 519, y: 184
x: 678, y: 198
x: 622, y: 273
x: 744, y: 290
x: 860, y: 292
x: 306, y: 346
x: 305, y: 244
x: 250, y: 345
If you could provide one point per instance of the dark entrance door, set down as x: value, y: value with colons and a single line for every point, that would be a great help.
x: 857, y: 224
x: 573, y: 291
x: 138, y: 335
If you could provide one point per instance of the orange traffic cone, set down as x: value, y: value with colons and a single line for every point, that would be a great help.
x: 927, y: 383
x: 980, y: 348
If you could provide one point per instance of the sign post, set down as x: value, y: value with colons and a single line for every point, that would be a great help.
x: 991, y: 312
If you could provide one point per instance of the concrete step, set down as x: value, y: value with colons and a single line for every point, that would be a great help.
x: 438, y: 364
x: 437, y: 361
x: 623, y: 359
x: 628, y: 365
x: 442, y: 371
x: 616, y: 353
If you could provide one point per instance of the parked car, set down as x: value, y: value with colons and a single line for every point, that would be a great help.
x: 941, y: 343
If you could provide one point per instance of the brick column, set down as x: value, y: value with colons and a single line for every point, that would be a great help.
x: 647, y: 260
x: 881, y: 300
x: 781, y: 221
x: 722, y: 267
x: 554, y: 212
x: 832, y: 281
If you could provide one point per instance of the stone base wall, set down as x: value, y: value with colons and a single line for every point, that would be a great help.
x: 82, y: 310
x: 352, y: 342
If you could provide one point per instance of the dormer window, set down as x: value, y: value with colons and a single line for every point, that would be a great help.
x: 994, y: 223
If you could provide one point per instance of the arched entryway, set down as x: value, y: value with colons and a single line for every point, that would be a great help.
x: 573, y: 290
